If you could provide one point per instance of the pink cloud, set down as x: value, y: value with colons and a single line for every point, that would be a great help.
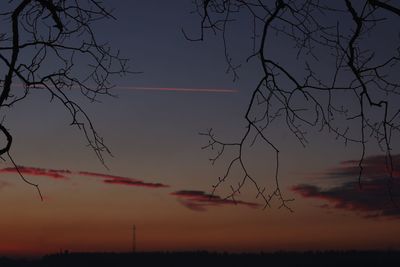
x: 51, y: 173
x: 66, y: 174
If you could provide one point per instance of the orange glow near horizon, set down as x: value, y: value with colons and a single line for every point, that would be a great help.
x: 84, y: 216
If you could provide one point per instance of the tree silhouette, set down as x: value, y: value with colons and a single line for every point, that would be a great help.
x: 341, y: 75
x: 51, y: 45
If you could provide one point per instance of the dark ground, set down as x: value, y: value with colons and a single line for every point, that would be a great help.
x: 206, y: 259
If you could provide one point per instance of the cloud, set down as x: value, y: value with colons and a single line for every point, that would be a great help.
x: 378, y: 196
x: 66, y: 174
x: 199, y: 200
x: 51, y: 173
x: 373, y: 167
x: 112, y: 179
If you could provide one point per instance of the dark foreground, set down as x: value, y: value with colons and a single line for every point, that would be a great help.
x: 205, y: 259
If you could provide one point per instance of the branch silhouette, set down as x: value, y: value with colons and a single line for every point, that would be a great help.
x: 53, y: 46
x: 342, y: 82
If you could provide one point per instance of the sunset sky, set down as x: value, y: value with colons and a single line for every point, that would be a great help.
x: 160, y: 179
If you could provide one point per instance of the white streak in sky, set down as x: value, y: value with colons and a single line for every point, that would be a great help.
x: 162, y: 89
x: 178, y: 89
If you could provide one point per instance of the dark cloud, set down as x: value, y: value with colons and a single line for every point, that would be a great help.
x: 51, y: 173
x: 373, y: 167
x: 378, y: 196
x: 199, y: 200
x: 130, y: 182
x: 113, y: 179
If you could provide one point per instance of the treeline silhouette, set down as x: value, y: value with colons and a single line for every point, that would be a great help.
x: 207, y: 259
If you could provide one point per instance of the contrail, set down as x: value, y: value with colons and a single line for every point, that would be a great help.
x: 178, y: 89
x: 165, y: 89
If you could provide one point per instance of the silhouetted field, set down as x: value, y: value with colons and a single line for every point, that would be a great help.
x: 206, y: 259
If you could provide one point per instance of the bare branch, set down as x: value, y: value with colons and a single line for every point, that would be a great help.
x: 60, y: 34
x: 337, y: 82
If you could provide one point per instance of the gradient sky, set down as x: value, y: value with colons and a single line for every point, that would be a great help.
x: 159, y: 178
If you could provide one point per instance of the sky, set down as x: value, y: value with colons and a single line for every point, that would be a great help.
x: 160, y: 179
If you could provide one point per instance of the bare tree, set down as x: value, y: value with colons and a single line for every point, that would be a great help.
x: 336, y: 70
x: 51, y: 45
